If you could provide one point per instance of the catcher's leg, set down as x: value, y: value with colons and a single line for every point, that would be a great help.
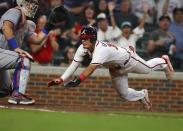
x: 8, y: 60
x: 20, y: 79
x: 5, y: 83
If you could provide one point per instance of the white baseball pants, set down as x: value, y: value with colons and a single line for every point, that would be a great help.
x: 135, y: 65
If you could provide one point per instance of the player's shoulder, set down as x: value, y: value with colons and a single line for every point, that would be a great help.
x: 11, y: 13
x: 14, y: 11
x: 100, y: 46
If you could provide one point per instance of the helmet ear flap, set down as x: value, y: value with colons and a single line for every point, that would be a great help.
x: 93, y: 39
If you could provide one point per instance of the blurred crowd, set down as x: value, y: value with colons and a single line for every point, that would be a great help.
x: 148, y: 27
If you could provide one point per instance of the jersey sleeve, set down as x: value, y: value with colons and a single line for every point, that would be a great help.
x: 79, y: 55
x: 70, y: 70
x: 12, y: 15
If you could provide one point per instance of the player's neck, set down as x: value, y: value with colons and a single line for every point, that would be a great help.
x: 91, y: 49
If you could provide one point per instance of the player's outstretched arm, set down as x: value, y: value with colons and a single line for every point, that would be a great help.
x: 87, y: 72
x: 68, y: 73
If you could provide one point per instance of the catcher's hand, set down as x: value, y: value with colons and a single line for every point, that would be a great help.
x: 57, y: 15
x: 72, y: 83
x: 29, y: 56
x: 54, y: 82
x: 23, y: 53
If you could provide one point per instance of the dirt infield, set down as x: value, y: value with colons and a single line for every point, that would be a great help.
x: 4, y: 104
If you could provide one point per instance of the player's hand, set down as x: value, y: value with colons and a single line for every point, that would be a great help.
x: 72, y: 83
x: 19, y: 51
x: 55, y: 82
x: 29, y: 56
x: 24, y: 53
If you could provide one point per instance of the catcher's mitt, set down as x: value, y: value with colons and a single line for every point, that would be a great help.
x: 57, y: 15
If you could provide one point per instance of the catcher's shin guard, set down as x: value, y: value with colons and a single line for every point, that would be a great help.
x: 21, y: 75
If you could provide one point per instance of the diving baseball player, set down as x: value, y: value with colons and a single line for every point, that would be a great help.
x: 120, y: 62
x: 14, y: 28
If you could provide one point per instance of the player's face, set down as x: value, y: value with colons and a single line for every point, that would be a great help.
x: 87, y: 44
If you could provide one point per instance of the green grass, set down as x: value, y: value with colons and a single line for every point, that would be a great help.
x: 24, y: 120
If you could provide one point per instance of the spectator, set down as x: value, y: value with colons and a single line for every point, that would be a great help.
x: 105, y: 32
x: 125, y: 14
x: 68, y: 56
x: 129, y: 40
x: 167, y: 7
x: 42, y: 9
x: 117, y: 5
x: 5, y: 5
x: 137, y: 9
x: 43, y: 53
x: 101, y: 7
x: 88, y: 16
x: 53, y: 3
x: 162, y: 41
x: 72, y: 40
x: 177, y: 29
x: 76, y: 7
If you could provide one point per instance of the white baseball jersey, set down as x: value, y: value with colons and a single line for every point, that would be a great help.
x: 120, y: 60
x: 105, y: 54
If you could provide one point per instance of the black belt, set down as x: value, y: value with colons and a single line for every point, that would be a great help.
x: 128, y: 58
